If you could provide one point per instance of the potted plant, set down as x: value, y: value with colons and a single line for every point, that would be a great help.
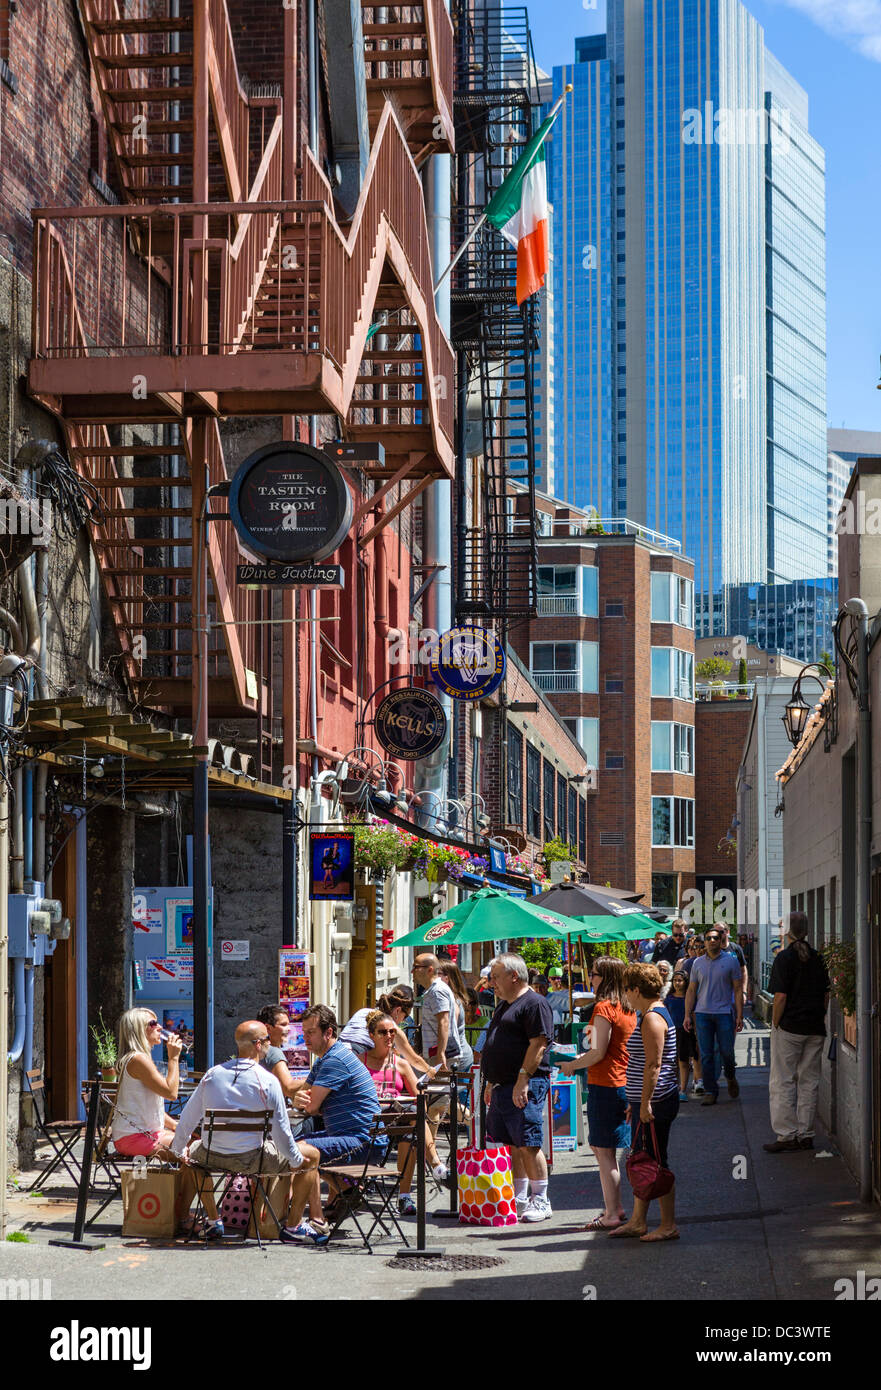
x: 381, y: 847
x: 105, y: 1048
x: 841, y: 962
x: 713, y: 672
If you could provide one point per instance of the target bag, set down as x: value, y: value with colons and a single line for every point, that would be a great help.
x: 148, y: 1202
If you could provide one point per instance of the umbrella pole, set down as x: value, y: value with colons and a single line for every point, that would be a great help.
x: 571, y: 971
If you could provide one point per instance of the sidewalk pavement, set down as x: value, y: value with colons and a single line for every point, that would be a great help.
x: 753, y: 1226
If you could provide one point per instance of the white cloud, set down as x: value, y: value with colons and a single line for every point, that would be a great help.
x: 858, y: 22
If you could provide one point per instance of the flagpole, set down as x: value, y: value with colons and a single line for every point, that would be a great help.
x: 482, y: 218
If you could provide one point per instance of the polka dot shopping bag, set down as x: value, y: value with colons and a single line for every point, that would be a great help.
x: 486, y: 1187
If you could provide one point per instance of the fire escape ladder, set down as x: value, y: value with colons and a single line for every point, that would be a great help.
x: 408, y: 56
x: 493, y: 105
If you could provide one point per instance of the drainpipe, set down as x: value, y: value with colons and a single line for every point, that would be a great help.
x: 858, y: 610
x: 18, y: 989
x: 437, y: 604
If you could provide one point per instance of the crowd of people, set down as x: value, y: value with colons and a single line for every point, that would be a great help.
x: 655, y: 1025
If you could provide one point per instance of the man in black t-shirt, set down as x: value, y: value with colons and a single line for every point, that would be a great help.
x: 673, y: 948
x: 800, y: 986
x: 517, y: 1079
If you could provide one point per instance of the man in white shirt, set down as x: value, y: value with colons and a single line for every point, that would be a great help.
x: 243, y: 1084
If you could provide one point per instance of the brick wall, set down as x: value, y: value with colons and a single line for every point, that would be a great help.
x: 720, y: 728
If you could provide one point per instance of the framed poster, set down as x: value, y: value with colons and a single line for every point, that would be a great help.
x: 564, y: 1109
x: 331, y: 866
x: 179, y: 926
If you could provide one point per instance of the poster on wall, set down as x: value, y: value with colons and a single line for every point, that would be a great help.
x: 331, y: 867
x: 179, y: 926
x: 296, y: 1053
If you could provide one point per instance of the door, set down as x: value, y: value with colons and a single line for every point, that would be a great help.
x: 362, y: 962
x: 62, y: 1082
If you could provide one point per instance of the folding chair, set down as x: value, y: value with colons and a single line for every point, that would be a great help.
x: 217, y: 1122
x: 371, y: 1188
x: 62, y: 1135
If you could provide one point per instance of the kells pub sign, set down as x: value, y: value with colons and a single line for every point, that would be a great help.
x: 410, y: 723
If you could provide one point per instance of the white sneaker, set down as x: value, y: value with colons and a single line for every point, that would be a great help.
x: 521, y: 1203
x: 537, y: 1209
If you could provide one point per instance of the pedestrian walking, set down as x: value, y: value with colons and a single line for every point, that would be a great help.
x: 518, y: 1077
x: 714, y: 1007
x: 652, y: 1092
x: 611, y: 1024
x: 673, y: 947
x: 800, y: 986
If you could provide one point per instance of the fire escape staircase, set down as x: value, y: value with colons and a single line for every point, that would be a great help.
x: 153, y: 313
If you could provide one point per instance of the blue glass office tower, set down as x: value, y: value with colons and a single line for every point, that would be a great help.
x: 689, y: 297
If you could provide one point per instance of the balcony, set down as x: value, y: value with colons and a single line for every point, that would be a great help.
x: 558, y: 606
x: 724, y: 690
x: 556, y: 682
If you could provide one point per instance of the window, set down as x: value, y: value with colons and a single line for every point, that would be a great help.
x: 614, y: 761
x: 665, y: 890
x: 586, y: 732
x: 614, y: 609
x: 567, y: 590
x: 515, y: 777
x: 672, y: 747
x: 614, y: 685
x: 533, y: 792
x: 672, y: 822
x: 582, y: 829
x: 672, y: 600
x: 573, y: 816
x: 561, y: 807
x: 562, y: 666
x: 672, y: 673
x: 550, y: 785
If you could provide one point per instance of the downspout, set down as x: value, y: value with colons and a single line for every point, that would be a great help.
x: 432, y: 774
x: 18, y: 988
x: 762, y: 818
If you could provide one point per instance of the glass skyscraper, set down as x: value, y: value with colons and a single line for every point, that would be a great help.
x: 689, y: 294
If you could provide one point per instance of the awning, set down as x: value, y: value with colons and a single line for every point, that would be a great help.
x: 480, y: 882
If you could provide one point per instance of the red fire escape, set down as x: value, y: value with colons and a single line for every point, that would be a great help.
x: 155, y: 319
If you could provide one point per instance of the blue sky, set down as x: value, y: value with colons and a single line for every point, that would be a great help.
x: 833, y: 48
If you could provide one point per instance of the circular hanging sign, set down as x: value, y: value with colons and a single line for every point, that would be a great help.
x: 468, y: 663
x: 410, y: 723
x: 290, y: 502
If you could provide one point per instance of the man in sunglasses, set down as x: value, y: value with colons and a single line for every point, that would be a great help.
x: 714, y: 1007
x: 673, y: 948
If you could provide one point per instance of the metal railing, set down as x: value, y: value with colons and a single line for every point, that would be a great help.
x: 558, y: 605
x: 588, y: 527
x: 556, y: 682
x: 724, y: 690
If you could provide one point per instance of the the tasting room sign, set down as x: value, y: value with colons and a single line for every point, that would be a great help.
x: 289, y: 502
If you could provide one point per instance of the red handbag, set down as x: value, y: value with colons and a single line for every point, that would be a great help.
x: 646, y: 1175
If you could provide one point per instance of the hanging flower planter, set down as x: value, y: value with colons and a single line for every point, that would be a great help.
x: 381, y: 847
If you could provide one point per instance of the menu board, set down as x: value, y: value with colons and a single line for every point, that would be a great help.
x: 293, y: 996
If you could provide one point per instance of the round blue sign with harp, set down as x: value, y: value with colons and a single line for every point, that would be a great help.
x: 468, y: 663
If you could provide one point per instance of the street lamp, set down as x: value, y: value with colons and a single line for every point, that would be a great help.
x: 797, y: 711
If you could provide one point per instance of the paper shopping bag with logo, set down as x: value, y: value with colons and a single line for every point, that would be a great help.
x: 148, y: 1202
x: 486, y: 1187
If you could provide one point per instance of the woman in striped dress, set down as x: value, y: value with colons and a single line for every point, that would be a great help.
x: 652, y: 1090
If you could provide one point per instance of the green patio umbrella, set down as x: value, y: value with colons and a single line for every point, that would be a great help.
x: 489, y: 915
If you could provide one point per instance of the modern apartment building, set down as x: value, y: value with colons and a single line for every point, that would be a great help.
x: 844, y: 447
x: 689, y: 294
x: 613, y: 648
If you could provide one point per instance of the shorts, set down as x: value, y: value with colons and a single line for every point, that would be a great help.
x: 133, y: 1145
x: 247, y: 1162
x: 348, y: 1148
x: 686, y: 1044
x: 606, y: 1108
x: 508, y: 1124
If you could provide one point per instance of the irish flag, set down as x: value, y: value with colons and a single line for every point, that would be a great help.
x: 519, y: 210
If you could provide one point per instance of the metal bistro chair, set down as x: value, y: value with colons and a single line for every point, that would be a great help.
x: 216, y: 1122
x: 369, y: 1187
x: 62, y: 1135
